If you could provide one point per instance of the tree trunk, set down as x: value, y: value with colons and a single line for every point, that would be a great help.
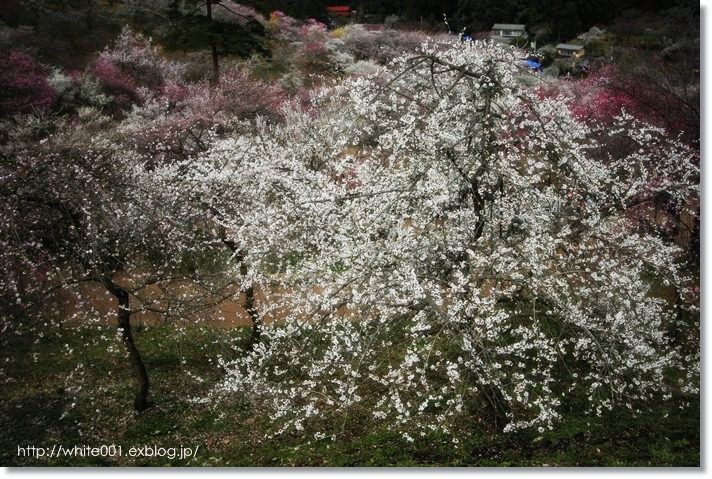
x: 249, y: 295
x: 256, y: 321
x: 216, y: 70
x: 140, y: 401
x: 213, y: 45
x: 252, y: 311
x: 695, y: 240
x: 497, y: 408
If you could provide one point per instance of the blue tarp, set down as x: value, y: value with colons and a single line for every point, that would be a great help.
x: 533, y: 64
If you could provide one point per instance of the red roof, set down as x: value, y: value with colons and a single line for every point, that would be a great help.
x: 343, y: 10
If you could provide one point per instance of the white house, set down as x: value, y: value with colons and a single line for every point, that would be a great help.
x: 568, y: 50
x: 504, y: 32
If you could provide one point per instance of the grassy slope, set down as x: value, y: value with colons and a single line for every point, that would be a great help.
x: 36, y: 409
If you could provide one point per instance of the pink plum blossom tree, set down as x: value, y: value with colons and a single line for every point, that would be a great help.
x: 23, y: 85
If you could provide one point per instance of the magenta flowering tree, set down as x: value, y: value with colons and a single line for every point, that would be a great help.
x: 133, y: 68
x: 182, y: 121
x: 134, y: 55
x: 313, y: 29
x: 657, y: 92
x: 118, y: 84
x: 659, y: 99
x: 314, y: 55
x: 23, y: 85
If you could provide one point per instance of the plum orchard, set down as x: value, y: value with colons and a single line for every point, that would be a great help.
x: 439, y: 239
x: 449, y: 243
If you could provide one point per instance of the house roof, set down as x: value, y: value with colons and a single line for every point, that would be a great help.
x: 342, y: 10
x: 568, y: 46
x: 508, y: 26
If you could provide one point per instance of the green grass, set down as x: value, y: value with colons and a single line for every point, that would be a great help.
x: 42, y: 405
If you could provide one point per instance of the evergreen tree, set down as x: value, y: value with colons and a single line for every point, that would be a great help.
x: 194, y: 30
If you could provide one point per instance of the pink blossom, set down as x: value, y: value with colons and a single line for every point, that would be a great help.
x: 23, y: 85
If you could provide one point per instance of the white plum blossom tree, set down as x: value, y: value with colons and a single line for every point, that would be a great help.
x: 80, y: 208
x: 441, y: 240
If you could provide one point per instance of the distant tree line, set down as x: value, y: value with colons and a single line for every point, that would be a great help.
x: 565, y: 16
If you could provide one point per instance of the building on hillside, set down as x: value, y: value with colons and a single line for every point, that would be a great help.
x: 340, y: 11
x: 504, y: 32
x: 568, y: 50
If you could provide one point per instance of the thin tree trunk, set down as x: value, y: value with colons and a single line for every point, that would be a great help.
x: 216, y: 70
x: 249, y: 296
x: 140, y: 401
x: 695, y: 239
x: 256, y: 321
x: 498, y: 408
x: 252, y: 311
x: 213, y: 45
